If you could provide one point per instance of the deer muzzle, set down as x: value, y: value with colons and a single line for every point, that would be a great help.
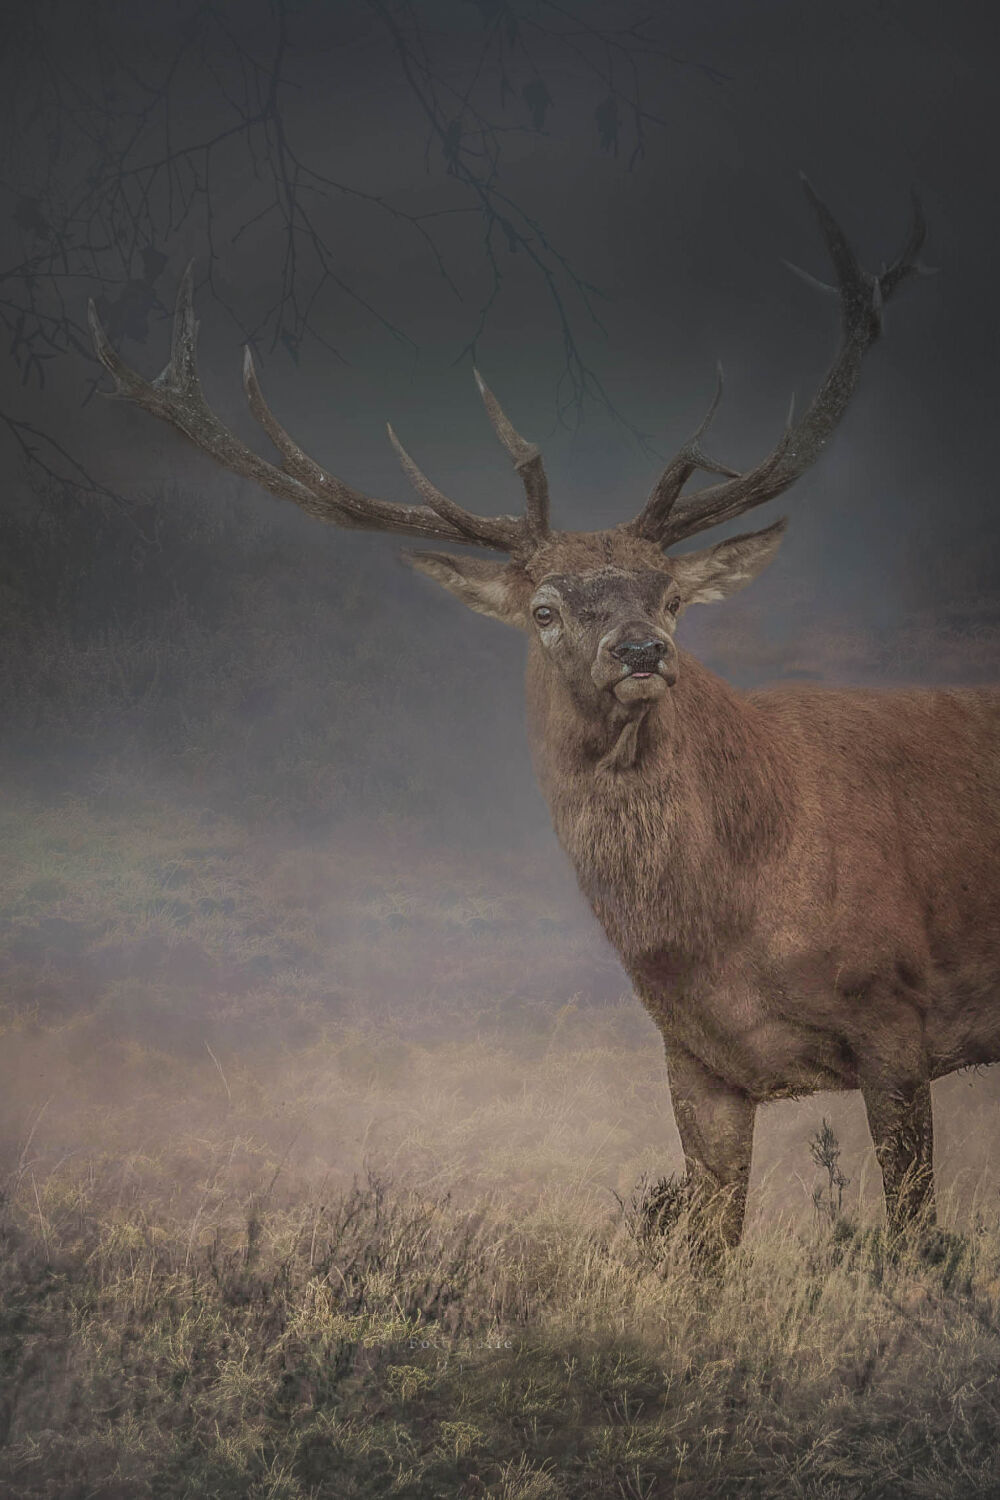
x: 635, y: 663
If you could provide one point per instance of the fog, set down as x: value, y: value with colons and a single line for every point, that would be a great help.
x: 270, y: 822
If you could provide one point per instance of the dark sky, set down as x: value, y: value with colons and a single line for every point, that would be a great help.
x: 890, y: 570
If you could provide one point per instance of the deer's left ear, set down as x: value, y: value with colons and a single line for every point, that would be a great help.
x: 716, y: 572
x: 500, y: 589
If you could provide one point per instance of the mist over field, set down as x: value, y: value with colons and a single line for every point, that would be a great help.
x: 323, y: 1098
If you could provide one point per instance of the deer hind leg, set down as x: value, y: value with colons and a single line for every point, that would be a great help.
x: 901, y: 1123
x: 715, y: 1123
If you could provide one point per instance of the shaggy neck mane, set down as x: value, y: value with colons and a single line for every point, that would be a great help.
x: 669, y: 820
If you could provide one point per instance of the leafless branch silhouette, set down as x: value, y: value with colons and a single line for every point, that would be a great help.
x: 121, y: 160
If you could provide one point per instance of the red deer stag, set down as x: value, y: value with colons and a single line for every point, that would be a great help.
x: 802, y: 883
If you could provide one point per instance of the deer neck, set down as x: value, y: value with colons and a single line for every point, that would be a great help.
x: 667, y: 821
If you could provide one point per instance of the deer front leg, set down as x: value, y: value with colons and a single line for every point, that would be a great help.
x: 901, y: 1123
x: 715, y: 1123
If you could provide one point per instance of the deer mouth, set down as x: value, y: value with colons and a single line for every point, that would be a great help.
x: 640, y: 687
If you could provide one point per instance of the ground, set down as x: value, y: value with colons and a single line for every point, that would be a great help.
x: 311, y: 1155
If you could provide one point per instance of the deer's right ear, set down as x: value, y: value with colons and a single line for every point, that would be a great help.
x: 500, y: 589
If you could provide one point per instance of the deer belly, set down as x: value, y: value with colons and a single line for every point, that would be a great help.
x: 768, y: 1057
x: 736, y: 1030
x: 781, y: 1061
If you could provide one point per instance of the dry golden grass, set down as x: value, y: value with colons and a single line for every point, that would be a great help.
x: 212, y: 1338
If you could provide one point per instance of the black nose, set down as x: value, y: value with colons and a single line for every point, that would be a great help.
x: 639, y: 656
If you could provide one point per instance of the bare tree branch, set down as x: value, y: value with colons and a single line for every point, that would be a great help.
x: 126, y: 178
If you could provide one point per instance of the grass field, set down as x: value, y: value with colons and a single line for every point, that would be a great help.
x: 311, y: 1155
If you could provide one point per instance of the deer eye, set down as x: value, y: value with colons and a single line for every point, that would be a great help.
x: 544, y: 615
x: 674, y: 605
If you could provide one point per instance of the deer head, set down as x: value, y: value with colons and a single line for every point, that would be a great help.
x: 602, y: 607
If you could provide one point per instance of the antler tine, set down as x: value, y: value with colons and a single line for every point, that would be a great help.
x: 182, y: 368
x: 176, y: 396
x: 862, y: 296
x: 527, y: 461
x: 723, y: 502
x: 906, y: 262
x: 504, y: 532
x: 679, y: 470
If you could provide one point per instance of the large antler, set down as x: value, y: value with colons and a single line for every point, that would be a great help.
x: 176, y: 395
x: 862, y: 295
